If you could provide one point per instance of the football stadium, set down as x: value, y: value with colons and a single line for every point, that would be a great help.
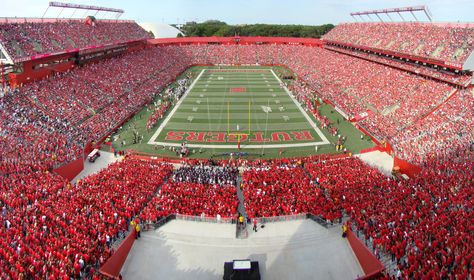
x: 247, y: 151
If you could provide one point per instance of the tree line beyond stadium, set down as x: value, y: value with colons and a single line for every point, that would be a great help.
x: 222, y: 29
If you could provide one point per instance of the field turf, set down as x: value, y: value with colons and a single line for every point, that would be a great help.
x: 225, y: 106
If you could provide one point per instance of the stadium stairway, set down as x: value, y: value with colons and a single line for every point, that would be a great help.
x: 117, y: 241
x: 427, y: 114
x: 115, y: 244
x: 323, y: 190
x: 241, y: 232
x: 40, y: 107
x: 240, y: 196
x: 384, y: 257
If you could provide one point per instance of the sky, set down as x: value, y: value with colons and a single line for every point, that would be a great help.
x: 309, y: 12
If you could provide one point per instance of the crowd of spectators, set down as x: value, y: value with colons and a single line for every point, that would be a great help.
x: 158, y: 113
x: 52, y: 229
x: 447, y: 129
x: 447, y: 42
x: 84, y: 92
x: 208, y: 175
x: 275, y: 190
x: 417, y: 68
x: 356, y: 86
x: 25, y: 39
x: 28, y: 135
x: 96, y: 98
x: 352, y: 84
x: 206, y: 191
x: 424, y: 223
x: 53, y: 119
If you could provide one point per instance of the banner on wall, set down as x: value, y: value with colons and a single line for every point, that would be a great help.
x: 361, y: 116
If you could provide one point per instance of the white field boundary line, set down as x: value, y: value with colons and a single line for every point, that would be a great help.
x: 152, y: 140
x: 316, y: 128
x: 163, y: 124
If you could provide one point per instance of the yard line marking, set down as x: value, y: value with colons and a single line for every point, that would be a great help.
x: 163, y: 124
x: 318, y: 131
x: 270, y: 146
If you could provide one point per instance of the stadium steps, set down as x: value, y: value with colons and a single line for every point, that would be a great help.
x: 71, y: 42
x: 56, y: 44
x: 118, y: 241
x: 419, y: 48
x: 401, y: 48
x: 96, y: 39
x: 241, y: 232
x: 371, y: 107
x: 90, y: 110
x: 390, y: 44
x: 240, y: 196
x: 437, y: 51
x: 389, y: 109
x: 37, y: 46
x: 16, y: 47
x: 361, y: 101
x: 290, y: 241
x: 40, y: 107
x: 122, y: 235
x: 83, y: 42
x: 459, y: 52
x: 377, y: 43
x: 384, y: 257
x: 434, y: 109
x: 107, y: 39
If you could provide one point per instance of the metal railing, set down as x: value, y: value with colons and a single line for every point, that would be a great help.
x: 282, y: 218
x: 241, y: 230
x: 222, y: 220
x: 323, y: 222
x: 233, y: 220
x: 161, y: 222
x: 380, y: 253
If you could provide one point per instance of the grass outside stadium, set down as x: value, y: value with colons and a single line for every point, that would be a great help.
x: 225, y: 107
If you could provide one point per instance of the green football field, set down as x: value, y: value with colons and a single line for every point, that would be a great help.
x: 228, y: 106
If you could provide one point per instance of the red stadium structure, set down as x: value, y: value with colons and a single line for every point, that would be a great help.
x: 72, y: 84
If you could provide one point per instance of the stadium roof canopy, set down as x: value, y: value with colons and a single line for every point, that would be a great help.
x: 399, y: 11
x: 97, y: 9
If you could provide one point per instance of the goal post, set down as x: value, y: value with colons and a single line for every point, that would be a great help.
x: 239, y: 137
